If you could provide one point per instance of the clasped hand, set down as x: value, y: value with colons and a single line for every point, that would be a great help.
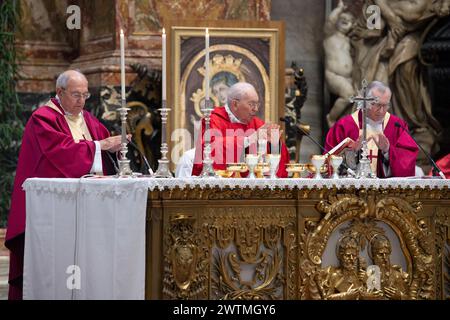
x: 380, y: 140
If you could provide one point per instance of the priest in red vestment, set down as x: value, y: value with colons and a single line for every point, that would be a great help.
x: 443, y: 164
x: 60, y: 140
x: 392, y: 151
x: 236, y: 131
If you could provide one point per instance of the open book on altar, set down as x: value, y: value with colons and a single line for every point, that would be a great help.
x: 337, y: 150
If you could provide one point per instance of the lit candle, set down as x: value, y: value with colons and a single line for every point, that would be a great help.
x: 122, y: 63
x: 164, y: 64
x: 207, y: 68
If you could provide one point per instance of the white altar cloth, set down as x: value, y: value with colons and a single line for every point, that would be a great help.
x: 97, y: 225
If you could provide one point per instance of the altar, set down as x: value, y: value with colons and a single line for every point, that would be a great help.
x: 232, y: 238
x: 275, y: 239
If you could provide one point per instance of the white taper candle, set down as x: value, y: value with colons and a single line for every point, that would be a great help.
x: 207, y: 67
x: 164, y: 89
x: 122, y: 63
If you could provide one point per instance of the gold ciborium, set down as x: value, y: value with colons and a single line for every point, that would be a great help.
x: 235, y: 169
x: 296, y: 169
x: 261, y: 168
x: 224, y: 173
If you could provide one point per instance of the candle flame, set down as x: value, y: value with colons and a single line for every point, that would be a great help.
x: 121, y: 31
x: 164, y: 31
x: 207, y: 31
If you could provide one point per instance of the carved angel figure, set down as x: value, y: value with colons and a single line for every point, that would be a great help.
x: 338, y: 59
x: 391, y: 55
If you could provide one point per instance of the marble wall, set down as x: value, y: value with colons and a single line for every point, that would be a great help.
x: 304, y: 34
x: 48, y: 47
x: 44, y: 45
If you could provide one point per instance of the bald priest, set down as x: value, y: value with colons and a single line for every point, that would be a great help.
x: 61, y: 140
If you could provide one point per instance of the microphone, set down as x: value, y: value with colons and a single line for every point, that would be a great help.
x: 150, y: 171
x: 320, y: 146
x: 436, y: 168
x: 116, y: 168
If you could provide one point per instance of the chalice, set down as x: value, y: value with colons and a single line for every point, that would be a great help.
x: 274, y: 161
x: 318, y: 161
x: 251, y: 160
x: 335, y: 163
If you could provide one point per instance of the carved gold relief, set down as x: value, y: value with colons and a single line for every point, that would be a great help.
x: 363, y: 210
x: 394, y: 282
x: 184, y: 270
x: 446, y: 267
x: 442, y: 247
x: 254, y: 262
x: 347, y: 280
x: 232, y: 248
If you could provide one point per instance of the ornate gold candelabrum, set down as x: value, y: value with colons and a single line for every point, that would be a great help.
x: 208, y: 170
x: 124, y: 162
x: 163, y: 163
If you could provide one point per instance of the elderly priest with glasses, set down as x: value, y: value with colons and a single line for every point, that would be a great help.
x: 391, y: 150
x: 61, y: 140
x: 237, y: 131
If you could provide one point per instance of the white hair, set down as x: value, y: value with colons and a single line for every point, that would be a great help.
x: 238, y: 90
x: 374, y: 86
x: 377, y: 85
x: 63, y: 78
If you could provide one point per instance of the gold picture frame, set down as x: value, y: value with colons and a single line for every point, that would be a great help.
x: 249, y: 51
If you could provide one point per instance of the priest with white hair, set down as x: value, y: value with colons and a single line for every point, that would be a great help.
x: 392, y: 151
x: 237, y: 131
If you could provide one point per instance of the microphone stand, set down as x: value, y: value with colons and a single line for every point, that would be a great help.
x: 306, y: 134
x: 149, y: 169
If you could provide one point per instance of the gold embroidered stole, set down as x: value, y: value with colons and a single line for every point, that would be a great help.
x: 371, y: 145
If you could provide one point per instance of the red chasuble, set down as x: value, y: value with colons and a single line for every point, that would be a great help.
x: 227, y: 141
x: 402, y: 151
x: 444, y: 165
x: 48, y: 151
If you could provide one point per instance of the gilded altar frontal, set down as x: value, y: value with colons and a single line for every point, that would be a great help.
x: 320, y: 243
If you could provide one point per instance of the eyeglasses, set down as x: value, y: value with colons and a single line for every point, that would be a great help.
x: 379, y: 106
x: 252, y: 104
x: 78, y: 95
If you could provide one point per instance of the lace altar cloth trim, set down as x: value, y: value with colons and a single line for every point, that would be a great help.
x: 125, y: 186
x: 110, y: 187
x: 293, y: 183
